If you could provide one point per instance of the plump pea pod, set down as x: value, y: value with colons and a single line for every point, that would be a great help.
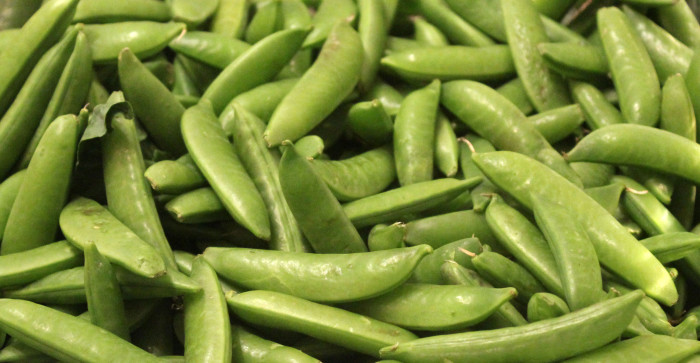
x: 391, y: 205
x: 197, y: 206
x: 373, y: 31
x: 496, y: 119
x: 155, y: 106
x: 455, y: 28
x: 556, y: 124
x: 608, y: 196
x: 230, y: 18
x: 428, y: 34
x: 397, y: 44
x: 687, y: 329
x: 632, y: 71
x: 442, y: 229
x: 646, y: 210
x: 175, y: 176
x: 597, y: 110
x: 261, y: 100
x: 573, y: 60
x: 27, y: 266
x: 334, y: 325
x: 216, y: 158
x: 385, y: 237
x: 525, y: 31
x: 412, y: 306
x: 39, y: 33
x: 616, y: 248
x: 309, y: 146
x: 591, y: 327
x: 321, y: 89
x: 370, y: 122
x: 484, y: 14
x: 47, y: 180
x: 213, y: 49
x: 428, y: 269
x: 206, y: 314
x: 593, y: 174
x: 658, y: 184
x: 104, y: 298
x: 502, y: 272
x: 481, y: 194
x: 98, y: 11
x: 160, y: 67
x: 250, y: 147
x: 329, y: 13
x: 652, y: 348
x: 8, y: 193
x: 144, y: 38
x: 552, y: 8
x: 118, y: 243
x: 250, y: 348
x: 304, y: 275
x: 446, y: 153
x: 679, y: 20
x: 543, y: 306
x: 265, y: 21
x: 514, y: 91
x: 193, y: 13
x: 557, y: 32
x: 387, y: 95
x: 6, y: 37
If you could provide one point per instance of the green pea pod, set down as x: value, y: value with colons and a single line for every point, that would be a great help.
x: 387, y: 95
x: 632, y: 71
x: 428, y: 269
x: 192, y: 12
x: 496, y: 119
x: 557, y: 32
x: 608, y: 196
x: 455, y: 28
x: 428, y: 34
x: 47, y: 180
x: 250, y: 147
x: 231, y: 18
x: 8, y: 193
x: 27, y: 266
x: 175, y: 176
x: 687, y: 329
x: 558, y: 123
x: 329, y: 13
x: 212, y: 49
x: 616, y: 248
x: 17, y: 13
x: 593, y: 174
x: 250, y: 348
x: 543, y: 306
x: 321, y: 89
x: 385, y: 237
x: 310, y: 146
x: 144, y: 38
x: 391, y: 205
x: 104, y: 298
x: 296, y: 272
x: 183, y: 85
x: 484, y: 14
x: 266, y: 20
x: 442, y: 229
x: 201, y: 74
x: 658, y: 184
x: 216, y: 158
x: 552, y: 8
x: 98, y: 11
x: 197, y: 206
x: 481, y: 194
x: 573, y: 60
x: 597, y: 110
x: 679, y: 20
x: 446, y: 153
x: 656, y: 348
x: 373, y: 31
x: 502, y: 272
x: 370, y: 122
x: 261, y: 100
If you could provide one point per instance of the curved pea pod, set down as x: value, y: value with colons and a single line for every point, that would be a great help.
x: 496, y: 119
x: 30, y: 265
x: 197, y: 206
x: 175, y: 176
x: 309, y: 146
x: 652, y: 348
x: 616, y: 248
x: 370, y: 122
x: 573, y: 60
x: 481, y: 194
x: 385, y: 237
x: 213, y: 49
x: 330, y: 324
x: 446, y: 153
x: 597, y: 110
x: 593, y: 174
x: 632, y: 70
x: 305, y: 276
x: 672, y: 246
x: 679, y: 20
x: 428, y: 269
x: 321, y: 89
x: 442, y: 229
x: 608, y: 196
x: 230, y: 18
x: 391, y: 205
x: 192, y: 12
x: 266, y: 19
x: 250, y: 348
x: 329, y: 13
x: 687, y: 329
x: 558, y: 123
x: 101, y: 11
x: 455, y: 28
x: 489, y: 63
x: 591, y: 327
x: 8, y: 193
x: 261, y: 100
x: 502, y: 272
x: 543, y: 306
x: 484, y: 14
x: 373, y: 32
x: 387, y: 95
x: 514, y: 91
x: 144, y: 38
x: 428, y: 34
x: 216, y: 158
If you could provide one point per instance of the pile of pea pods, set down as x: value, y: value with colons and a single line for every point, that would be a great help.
x: 349, y: 181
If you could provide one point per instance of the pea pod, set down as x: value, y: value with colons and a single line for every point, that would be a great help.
x: 446, y: 153
x: 428, y: 34
x: 481, y: 194
x: 231, y: 18
x: 370, y: 122
x: 373, y: 33
x: 502, y: 272
x: 646, y: 210
x: 556, y: 124
x: 387, y: 95
x: 193, y: 13
x: 197, y: 206
x: 175, y: 176
x: 439, y: 230
x: 574, y: 60
x: 27, y: 266
x: 484, y: 14
x: 296, y: 273
x: 679, y: 20
x: 97, y: 11
x: 144, y: 38
x: 8, y: 193
x: 455, y: 28
x: 543, y: 306
x: 687, y: 328
x: 261, y: 100
x: 329, y: 13
x: 250, y: 348
x: 655, y: 348
x: 385, y: 237
x: 428, y: 269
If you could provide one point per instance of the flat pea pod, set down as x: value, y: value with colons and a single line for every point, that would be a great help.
x: 328, y: 14
x: 175, y: 176
x: 250, y: 348
x: 191, y: 12
x: 391, y: 205
x: 455, y: 28
x: 27, y: 266
x: 334, y: 325
x: 306, y: 276
x: 8, y: 193
x: 645, y: 209
x: 496, y: 119
x: 144, y: 38
x: 261, y: 100
x: 679, y: 20
x: 573, y: 60
x: 543, y: 306
x: 99, y: 11
x: 230, y: 18
x: 216, y: 158
x: 487, y: 63
x: 428, y: 269
x: 385, y: 237
x: 616, y: 248
x: 373, y: 31
x: 502, y: 272
x: 652, y: 348
x: 370, y: 122
x: 525, y: 31
x: 47, y: 180
x: 558, y: 123
x: 442, y: 229
x: 213, y: 49
x: 321, y: 89
x: 197, y: 206
x: 632, y: 71
x: 412, y: 306
x: 592, y: 327
x: 446, y: 153
x: 62, y: 336
x: 596, y: 108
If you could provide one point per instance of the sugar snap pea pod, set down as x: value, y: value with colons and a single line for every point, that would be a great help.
x: 250, y: 147
x: 384, y: 237
x: 6, y: 37
x: 197, y: 206
x: 329, y: 13
x: 398, y: 44
x: 496, y: 119
x: 373, y: 31
x: 651, y: 348
x: 309, y: 146
x: 334, y: 325
x: 98, y: 11
x: 191, y: 12
x: 216, y: 158
x: 370, y: 122
x: 16, y: 13
x: 266, y: 19
x: 154, y: 105
x: 216, y: 50
x: 446, y: 153
x: 687, y: 328
x: 329, y: 80
x: 27, y: 266
x: 387, y: 95
x: 144, y: 38
x: 543, y: 305
x: 484, y: 14
x: 261, y: 100
x: 481, y: 194
x: 608, y: 196
x: 412, y: 306
x: 679, y: 20
x: 230, y: 18
x: 250, y: 348
x: 295, y: 273
x: 552, y: 8
x: 557, y: 32
x: 502, y: 272
x: 616, y: 248
x: 442, y: 229
x: 428, y: 269
x: 428, y: 34
x: 597, y: 110
x: 593, y: 174
x: 201, y: 74
x: 514, y: 91
x: 573, y: 60
x: 175, y: 176
x: 457, y: 30
x: 558, y: 123
x: 658, y: 184
x: 633, y: 73
x: 8, y: 193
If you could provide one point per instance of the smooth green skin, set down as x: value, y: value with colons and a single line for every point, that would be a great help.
x: 591, y: 328
x: 261, y: 100
x: 25, y: 267
x: 391, y: 205
x: 446, y: 153
x: 207, y: 327
x: 309, y: 146
x: 558, y: 123
x: 413, y: 306
x: 385, y: 237
x: 197, y: 206
x: 33, y: 220
x: 175, y: 177
x: 455, y: 28
x: 428, y: 269
x: 213, y: 49
x: 442, y: 229
x: 557, y: 32
x: 679, y: 20
x: 573, y: 252
x: 526, y: 243
x: 315, y: 208
x: 599, y: 112
x: 481, y: 194
x: 593, y: 174
x: 17, y: 12
x: 266, y: 19
x: 496, y: 119
x: 328, y: 14
x: 484, y: 14
x: 192, y: 12
x: 646, y: 210
x: 231, y: 18
x: 155, y: 106
x: 373, y: 31
x: 217, y: 160
x: 514, y: 91
x: 24, y: 115
x: 183, y: 85
x: 502, y: 272
x: 116, y: 241
x: 691, y: 82
x: 184, y: 261
x: 144, y: 38
x: 321, y: 89
x: 326, y: 278
x: 632, y: 70
x: 97, y: 94
x: 398, y: 44
x: 608, y: 196
x: 525, y: 178
x: 687, y: 328
x: 6, y: 37
x: 260, y: 164
x: 370, y: 122
x: 103, y: 295
x: 250, y: 348
x: 414, y: 135
x: 462, y: 201
x: 330, y: 324
x: 64, y: 336
x: 574, y: 60
x: 650, y: 348
x: 543, y: 306
x: 201, y: 74
x: 162, y: 69
x: 295, y: 14
x: 487, y: 63
x: 659, y: 185
x: 428, y: 34
x: 525, y: 31
x: 8, y: 193
x: 552, y: 8
x: 100, y: 11
x: 43, y: 29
